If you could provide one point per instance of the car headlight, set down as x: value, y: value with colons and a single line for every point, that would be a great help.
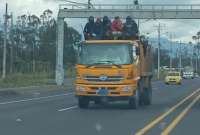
x: 127, y: 89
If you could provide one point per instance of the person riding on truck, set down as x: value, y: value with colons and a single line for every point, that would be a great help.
x: 117, y: 27
x: 117, y: 24
x: 89, y: 29
x: 106, y: 28
x: 130, y: 29
x: 98, y: 28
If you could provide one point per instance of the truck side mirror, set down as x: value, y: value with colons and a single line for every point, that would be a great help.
x: 137, y: 51
x: 79, y: 48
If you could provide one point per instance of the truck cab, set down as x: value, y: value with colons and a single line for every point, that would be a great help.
x: 108, y: 70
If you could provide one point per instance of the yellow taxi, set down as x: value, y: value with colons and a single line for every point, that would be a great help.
x: 173, y: 77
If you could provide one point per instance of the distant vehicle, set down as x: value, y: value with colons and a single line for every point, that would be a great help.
x: 196, y: 75
x: 188, y: 73
x: 173, y: 77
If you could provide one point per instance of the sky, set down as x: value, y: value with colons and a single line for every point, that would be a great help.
x: 181, y: 29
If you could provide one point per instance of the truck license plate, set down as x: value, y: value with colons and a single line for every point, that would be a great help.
x: 103, y: 92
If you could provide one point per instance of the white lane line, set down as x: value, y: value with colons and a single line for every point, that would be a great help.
x: 34, y: 99
x: 69, y: 108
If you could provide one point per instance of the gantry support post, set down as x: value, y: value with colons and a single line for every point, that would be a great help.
x: 59, y: 52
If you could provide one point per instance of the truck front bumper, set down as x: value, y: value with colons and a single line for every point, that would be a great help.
x: 105, y: 90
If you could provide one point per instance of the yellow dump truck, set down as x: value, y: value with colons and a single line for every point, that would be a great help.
x: 113, y: 70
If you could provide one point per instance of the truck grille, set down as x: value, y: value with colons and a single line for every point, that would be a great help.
x: 105, y: 79
x: 172, y: 80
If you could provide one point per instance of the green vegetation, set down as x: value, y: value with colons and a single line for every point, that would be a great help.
x: 31, y: 50
x: 20, y: 80
x: 33, y: 79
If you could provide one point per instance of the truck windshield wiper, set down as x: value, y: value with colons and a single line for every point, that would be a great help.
x: 103, y: 62
x: 94, y: 64
x: 111, y: 62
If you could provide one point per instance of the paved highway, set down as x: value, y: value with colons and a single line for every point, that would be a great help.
x: 57, y: 114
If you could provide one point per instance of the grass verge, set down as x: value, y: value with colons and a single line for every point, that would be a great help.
x: 22, y: 80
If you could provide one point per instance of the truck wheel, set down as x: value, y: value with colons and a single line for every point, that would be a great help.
x: 134, y: 101
x: 83, y: 102
x: 147, y: 96
x: 140, y: 87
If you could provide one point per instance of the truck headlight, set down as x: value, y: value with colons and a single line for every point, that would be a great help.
x: 81, y: 89
x: 127, y: 89
x: 78, y: 77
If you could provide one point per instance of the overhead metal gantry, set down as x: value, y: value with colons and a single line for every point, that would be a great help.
x: 135, y: 11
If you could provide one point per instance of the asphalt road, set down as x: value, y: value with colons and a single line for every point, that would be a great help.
x: 57, y: 114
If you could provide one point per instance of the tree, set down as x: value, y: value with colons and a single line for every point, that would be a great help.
x: 35, y: 42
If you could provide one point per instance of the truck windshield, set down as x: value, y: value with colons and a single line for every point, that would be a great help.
x: 105, y: 54
x: 188, y: 69
x: 173, y: 74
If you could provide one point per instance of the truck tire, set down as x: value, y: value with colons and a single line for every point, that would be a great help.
x: 134, y: 101
x: 140, y: 87
x: 147, y: 99
x: 83, y: 102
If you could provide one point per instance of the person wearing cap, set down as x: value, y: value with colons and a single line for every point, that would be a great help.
x: 130, y: 29
x: 89, y: 29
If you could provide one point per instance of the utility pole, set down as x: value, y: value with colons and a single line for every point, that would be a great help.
x: 170, y: 64
x: 180, y: 55
x: 159, y: 27
x: 5, y: 43
x: 12, y: 43
x: 196, y: 60
x: 191, y: 55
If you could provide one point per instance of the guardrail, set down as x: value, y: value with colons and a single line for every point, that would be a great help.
x: 131, y: 6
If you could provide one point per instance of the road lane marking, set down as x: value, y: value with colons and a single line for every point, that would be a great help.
x: 164, y: 115
x: 175, y: 122
x: 34, y: 99
x: 69, y: 108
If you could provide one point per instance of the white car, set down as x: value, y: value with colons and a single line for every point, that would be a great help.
x: 188, y: 75
x: 196, y: 75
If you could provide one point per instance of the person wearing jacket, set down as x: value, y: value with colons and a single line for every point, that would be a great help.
x: 106, y: 28
x: 98, y: 28
x: 89, y: 29
x: 117, y: 25
x: 130, y: 29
